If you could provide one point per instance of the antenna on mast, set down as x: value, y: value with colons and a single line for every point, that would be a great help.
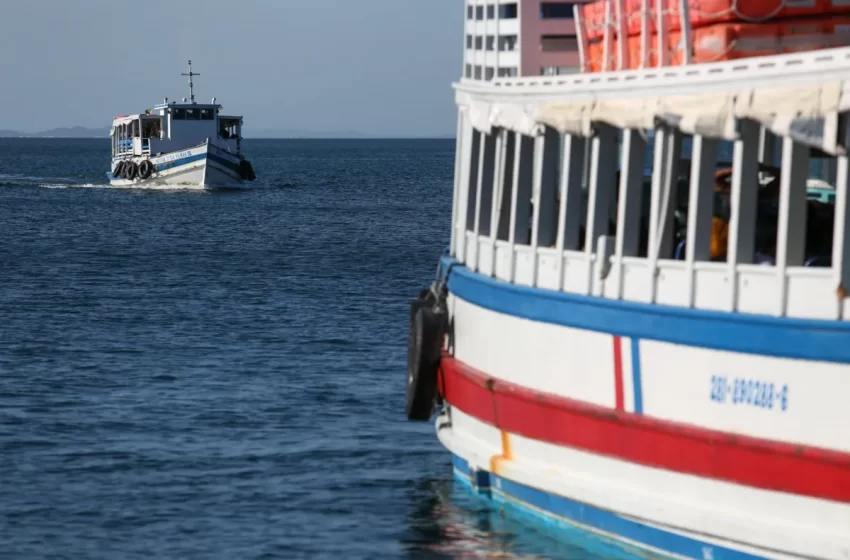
x: 191, y: 86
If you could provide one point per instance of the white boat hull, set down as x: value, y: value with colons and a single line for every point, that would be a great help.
x: 200, y: 166
x: 630, y: 437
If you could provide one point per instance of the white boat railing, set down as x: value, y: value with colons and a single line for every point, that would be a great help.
x: 518, y: 197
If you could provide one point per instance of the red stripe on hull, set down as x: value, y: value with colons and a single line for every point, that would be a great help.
x: 618, y: 374
x: 770, y: 465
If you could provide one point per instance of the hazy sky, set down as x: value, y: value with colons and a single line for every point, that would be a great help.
x: 374, y: 66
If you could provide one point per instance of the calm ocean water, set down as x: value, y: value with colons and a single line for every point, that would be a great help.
x: 186, y: 374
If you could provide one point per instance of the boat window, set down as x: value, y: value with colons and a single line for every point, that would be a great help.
x: 207, y: 114
x: 193, y: 114
x: 178, y: 114
x: 228, y: 128
x: 151, y: 128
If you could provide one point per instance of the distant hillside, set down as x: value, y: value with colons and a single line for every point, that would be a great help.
x: 62, y: 132
x: 83, y: 132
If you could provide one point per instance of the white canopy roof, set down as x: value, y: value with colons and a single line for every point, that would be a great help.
x: 807, y: 113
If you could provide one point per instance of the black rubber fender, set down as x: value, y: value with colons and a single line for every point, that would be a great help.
x: 423, y: 362
x: 425, y: 297
x: 130, y: 169
x: 119, y: 168
x: 145, y: 169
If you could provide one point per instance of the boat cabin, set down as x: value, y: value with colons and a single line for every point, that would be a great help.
x: 174, y: 126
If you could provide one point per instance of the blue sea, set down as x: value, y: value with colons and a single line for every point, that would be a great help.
x: 192, y: 374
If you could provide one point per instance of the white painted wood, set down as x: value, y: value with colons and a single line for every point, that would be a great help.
x: 841, y: 232
x: 547, y: 225
x: 453, y: 241
x: 539, y: 146
x: 570, y: 205
x: 547, y: 268
x: 744, y: 198
x: 506, y: 175
x: 503, y: 261
x: 470, y: 150
x: 791, y: 231
x: 630, y: 202
x: 482, y: 148
x: 496, y: 200
x: 514, y: 197
x: 603, y: 168
x: 767, y: 147
x: 700, y: 206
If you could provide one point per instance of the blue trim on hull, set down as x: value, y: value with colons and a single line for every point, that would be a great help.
x: 552, y: 508
x: 806, y: 339
x: 178, y: 162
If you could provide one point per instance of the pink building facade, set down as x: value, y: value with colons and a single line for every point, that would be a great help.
x: 505, y: 38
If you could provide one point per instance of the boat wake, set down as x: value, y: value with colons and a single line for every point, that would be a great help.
x: 12, y: 180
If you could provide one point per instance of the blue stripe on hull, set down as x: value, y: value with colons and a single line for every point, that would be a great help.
x: 179, y: 162
x: 807, y: 339
x: 570, y: 514
x: 198, y: 157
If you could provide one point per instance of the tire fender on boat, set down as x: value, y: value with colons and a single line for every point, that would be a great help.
x: 145, y: 169
x: 130, y: 169
x: 424, y: 348
x: 119, y: 167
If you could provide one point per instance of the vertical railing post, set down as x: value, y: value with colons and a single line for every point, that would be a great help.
x: 602, y: 175
x: 700, y: 201
x: 498, y: 185
x: 569, y: 209
x: 539, y: 147
x: 744, y: 201
x: 514, y: 195
x: 482, y: 150
x: 841, y: 233
x: 791, y: 229
x: 457, y: 182
x: 630, y: 201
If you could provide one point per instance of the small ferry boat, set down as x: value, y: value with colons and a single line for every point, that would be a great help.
x: 179, y: 143
x: 661, y: 357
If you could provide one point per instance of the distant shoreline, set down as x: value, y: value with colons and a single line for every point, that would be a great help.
x: 33, y: 137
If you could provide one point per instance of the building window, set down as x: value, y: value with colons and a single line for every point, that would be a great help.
x: 488, y: 73
x: 477, y: 72
x: 559, y: 70
x: 507, y: 43
x: 556, y: 10
x: 479, y: 12
x: 507, y: 11
x: 470, y: 12
x: 468, y: 72
x: 469, y: 41
x: 479, y: 43
x: 491, y: 43
x: 507, y: 72
x: 491, y: 12
x: 558, y: 43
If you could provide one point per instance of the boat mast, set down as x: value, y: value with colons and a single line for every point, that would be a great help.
x: 191, y: 86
